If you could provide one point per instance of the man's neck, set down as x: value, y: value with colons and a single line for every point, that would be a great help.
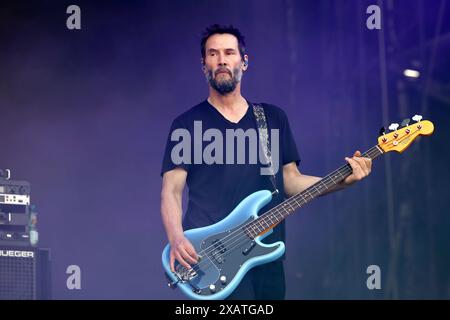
x: 232, y: 102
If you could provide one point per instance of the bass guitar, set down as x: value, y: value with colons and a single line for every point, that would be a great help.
x: 231, y: 247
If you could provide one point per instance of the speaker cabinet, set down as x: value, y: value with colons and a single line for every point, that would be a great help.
x: 25, y: 273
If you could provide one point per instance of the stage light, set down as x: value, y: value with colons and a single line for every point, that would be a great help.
x: 411, y: 73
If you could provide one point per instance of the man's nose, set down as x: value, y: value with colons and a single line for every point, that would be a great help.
x: 222, y: 61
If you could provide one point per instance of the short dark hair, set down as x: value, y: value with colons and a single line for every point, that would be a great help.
x: 221, y: 29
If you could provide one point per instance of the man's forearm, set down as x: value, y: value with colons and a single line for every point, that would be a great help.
x: 171, y: 213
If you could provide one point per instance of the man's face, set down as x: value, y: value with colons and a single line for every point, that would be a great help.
x: 223, y: 62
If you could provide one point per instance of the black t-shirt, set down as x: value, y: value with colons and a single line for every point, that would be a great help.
x: 216, y: 189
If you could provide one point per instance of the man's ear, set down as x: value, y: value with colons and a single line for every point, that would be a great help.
x: 245, y: 62
x: 202, y: 61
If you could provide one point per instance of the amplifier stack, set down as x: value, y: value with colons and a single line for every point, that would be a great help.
x: 24, y: 268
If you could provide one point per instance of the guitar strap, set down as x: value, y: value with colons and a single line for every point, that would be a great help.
x: 264, y: 140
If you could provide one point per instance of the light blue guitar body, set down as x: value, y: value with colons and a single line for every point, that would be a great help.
x: 227, y: 253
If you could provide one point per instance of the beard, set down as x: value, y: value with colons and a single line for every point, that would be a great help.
x: 224, y: 86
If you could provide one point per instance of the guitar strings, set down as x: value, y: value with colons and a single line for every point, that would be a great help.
x: 231, y: 244
x: 264, y: 216
x: 276, y: 210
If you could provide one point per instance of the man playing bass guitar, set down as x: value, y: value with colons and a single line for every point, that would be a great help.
x: 220, y: 174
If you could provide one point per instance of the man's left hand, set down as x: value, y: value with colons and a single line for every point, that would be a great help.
x: 361, y: 168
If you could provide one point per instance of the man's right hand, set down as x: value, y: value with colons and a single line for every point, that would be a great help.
x: 183, y: 251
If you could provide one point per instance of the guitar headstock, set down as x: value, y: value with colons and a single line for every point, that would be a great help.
x: 400, y: 138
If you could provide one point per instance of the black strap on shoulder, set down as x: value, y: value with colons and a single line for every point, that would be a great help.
x: 264, y: 140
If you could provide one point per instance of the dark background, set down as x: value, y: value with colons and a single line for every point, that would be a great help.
x: 84, y: 116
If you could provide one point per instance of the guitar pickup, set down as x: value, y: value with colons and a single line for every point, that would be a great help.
x: 249, y: 248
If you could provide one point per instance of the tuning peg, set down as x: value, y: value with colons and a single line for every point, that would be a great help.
x: 417, y: 118
x: 383, y: 133
x: 393, y: 126
x: 405, y: 123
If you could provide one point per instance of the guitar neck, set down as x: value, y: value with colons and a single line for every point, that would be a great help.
x: 277, y: 214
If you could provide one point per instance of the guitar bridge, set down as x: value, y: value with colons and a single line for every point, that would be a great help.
x: 184, y: 274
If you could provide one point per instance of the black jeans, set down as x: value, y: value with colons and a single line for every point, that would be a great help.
x: 264, y: 282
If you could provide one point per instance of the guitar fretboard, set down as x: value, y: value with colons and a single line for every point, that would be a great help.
x: 277, y: 214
